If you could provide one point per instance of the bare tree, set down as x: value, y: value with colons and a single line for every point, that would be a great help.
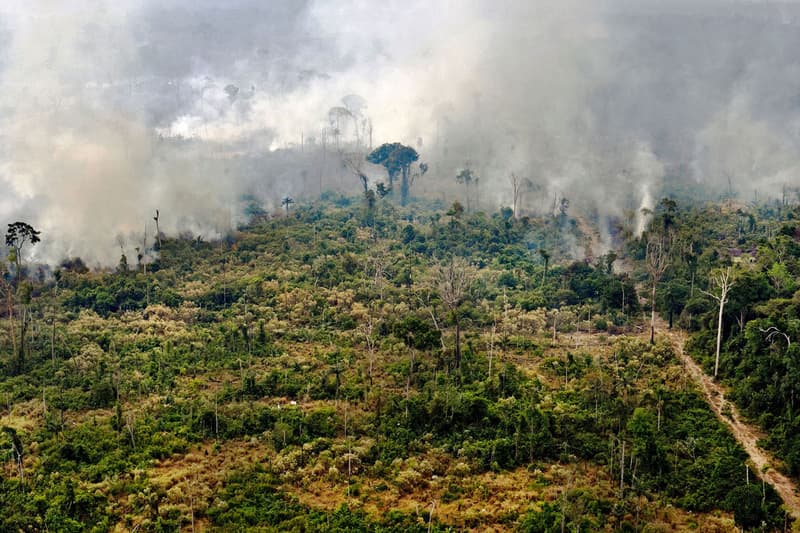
x: 354, y: 161
x: 158, y: 231
x: 722, y: 282
x: 773, y: 332
x: 337, y: 117
x: 286, y: 202
x: 657, y: 261
x: 425, y: 298
x: 367, y: 329
x: 518, y: 187
x: 469, y: 179
x: 454, y: 280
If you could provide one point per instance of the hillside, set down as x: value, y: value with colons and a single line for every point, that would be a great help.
x: 356, y: 365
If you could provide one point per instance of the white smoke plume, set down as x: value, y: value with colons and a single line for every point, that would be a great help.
x: 113, y: 109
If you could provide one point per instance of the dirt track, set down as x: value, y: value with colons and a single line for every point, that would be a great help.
x: 746, y: 434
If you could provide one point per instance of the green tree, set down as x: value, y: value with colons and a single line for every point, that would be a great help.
x: 397, y: 159
x: 18, y: 235
x: 745, y: 501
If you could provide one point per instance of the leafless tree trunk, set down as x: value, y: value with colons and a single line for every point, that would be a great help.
x: 516, y: 189
x: 772, y: 332
x: 622, y: 470
x: 129, y: 425
x: 369, y: 338
x: 409, y: 378
x: 355, y: 162
x: 555, y: 325
x: 657, y: 261
x: 454, y: 280
x: 491, y: 348
x: 723, y: 282
x: 158, y: 231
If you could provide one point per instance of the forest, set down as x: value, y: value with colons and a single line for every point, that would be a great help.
x: 406, y: 266
x: 390, y: 363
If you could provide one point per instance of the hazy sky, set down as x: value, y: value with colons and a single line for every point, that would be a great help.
x: 111, y: 109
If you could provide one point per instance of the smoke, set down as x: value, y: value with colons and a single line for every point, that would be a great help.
x: 111, y: 110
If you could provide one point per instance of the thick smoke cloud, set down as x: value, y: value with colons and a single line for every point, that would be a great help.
x: 110, y: 110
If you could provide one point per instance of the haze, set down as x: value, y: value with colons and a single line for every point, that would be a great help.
x: 110, y: 110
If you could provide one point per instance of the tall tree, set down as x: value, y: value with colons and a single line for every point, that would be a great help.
x: 397, y: 159
x: 667, y: 209
x: 722, y: 282
x: 518, y: 187
x: 656, y: 261
x: 546, y: 259
x: 454, y: 281
x: 18, y: 235
x: 469, y: 179
x: 338, y: 117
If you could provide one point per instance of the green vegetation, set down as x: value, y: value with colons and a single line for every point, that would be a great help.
x: 358, y: 366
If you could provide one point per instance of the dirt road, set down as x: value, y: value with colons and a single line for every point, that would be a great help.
x: 745, y: 433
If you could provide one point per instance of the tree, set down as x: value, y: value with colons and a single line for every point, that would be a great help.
x: 656, y: 261
x: 546, y: 259
x: 158, y: 231
x: 673, y: 299
x: 781, y: 279
x: 563, y: 205
x: 454, y: 280
x: 286, y: 202
x: 518, y: 187
x: 336, y: 117
x: 382, y: 190
x: 723, y: 282
x: 18, y: 235
x: 397, y: 159
x: 469, y: 179
x: 16, y: 450
x: 354, y: 162
x: 747, y: 506
x: 668, y: 208
x: 456, y: 210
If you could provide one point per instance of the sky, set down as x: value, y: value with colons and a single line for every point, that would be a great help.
x: 110, y: 110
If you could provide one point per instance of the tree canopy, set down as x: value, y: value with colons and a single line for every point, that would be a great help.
x: 397, y: 159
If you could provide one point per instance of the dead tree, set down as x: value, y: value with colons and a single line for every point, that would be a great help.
x: 516, y: 190
x: 722, y: 282
x: 657, y: 261
x: 368, y: 331
x: 286, y: 202
x: 772, y: 332
x: 454, y: 280
x: 355, y: 164
x: 158, y: 231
